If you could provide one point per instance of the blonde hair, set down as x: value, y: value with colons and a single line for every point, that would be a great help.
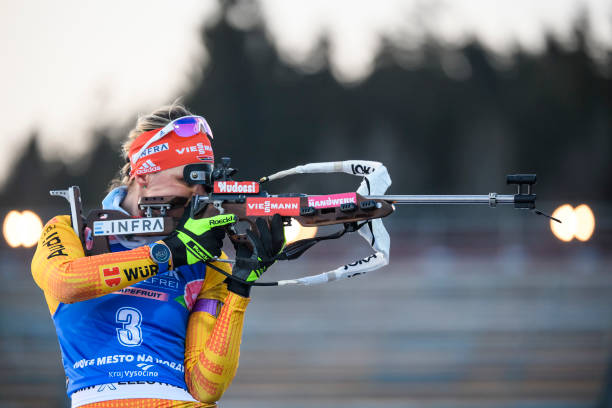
x: 154, y: 120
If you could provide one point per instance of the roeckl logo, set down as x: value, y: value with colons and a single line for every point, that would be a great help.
x: 273, y: 205
x: 249, y: 187
x: 148, y: 167
x: 196, y: 250
x: 200, y: 148
x: 223, y: 221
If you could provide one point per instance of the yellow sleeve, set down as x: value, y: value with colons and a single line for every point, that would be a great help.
x: 212, y: 346
x: 61, y: 269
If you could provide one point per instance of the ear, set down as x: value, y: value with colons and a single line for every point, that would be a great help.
x: 142, y: 180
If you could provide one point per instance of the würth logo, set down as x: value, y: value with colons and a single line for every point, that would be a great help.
x: 111, y: 276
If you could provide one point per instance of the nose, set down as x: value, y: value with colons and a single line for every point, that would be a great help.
x: 198, y: 189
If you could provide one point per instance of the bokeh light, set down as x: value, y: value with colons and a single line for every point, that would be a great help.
x: 565, y: 230
x: 22, y: 229
x: 10, y: 228
x: 296, y: 231
x: 577, y: 223
x: 585, y: 222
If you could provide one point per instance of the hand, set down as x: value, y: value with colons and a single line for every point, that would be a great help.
x: 197, y: 240
x: 252, y: 263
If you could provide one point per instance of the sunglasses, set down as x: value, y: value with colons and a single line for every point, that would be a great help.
x: 185, y: 126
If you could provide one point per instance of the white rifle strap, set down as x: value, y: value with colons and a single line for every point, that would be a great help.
x: 376, y: 181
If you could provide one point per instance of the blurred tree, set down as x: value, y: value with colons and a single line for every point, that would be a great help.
x: 32, y: 177
x: 443, y: 119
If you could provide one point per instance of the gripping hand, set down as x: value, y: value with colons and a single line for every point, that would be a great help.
x: 252, y: 263
x: 196, y: 240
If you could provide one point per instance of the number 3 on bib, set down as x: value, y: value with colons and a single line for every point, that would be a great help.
x: 130, y: 334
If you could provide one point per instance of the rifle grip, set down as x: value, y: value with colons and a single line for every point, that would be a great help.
x: 242, y: 238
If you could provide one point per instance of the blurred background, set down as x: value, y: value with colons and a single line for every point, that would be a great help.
x: 478, y: 307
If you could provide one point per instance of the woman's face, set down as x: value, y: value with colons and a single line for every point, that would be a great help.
x: 170, y: 183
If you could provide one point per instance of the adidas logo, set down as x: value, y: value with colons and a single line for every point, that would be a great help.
x: 149, y: 163
x: 148, y: 167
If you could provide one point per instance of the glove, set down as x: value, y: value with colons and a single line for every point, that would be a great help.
x: 197, y: 240
x: 252, y: 263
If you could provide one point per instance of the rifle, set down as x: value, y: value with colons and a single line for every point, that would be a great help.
x: 353, y: 211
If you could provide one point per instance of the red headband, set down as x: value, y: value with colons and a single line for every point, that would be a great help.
x: 169, y: 152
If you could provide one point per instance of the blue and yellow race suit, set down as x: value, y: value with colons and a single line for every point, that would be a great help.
x: 128, y: 333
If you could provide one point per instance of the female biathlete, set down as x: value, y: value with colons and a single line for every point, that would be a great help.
x: 149, y: 324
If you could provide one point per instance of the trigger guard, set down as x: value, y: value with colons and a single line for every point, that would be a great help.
x: 242, y: 239
x: 239, y: 238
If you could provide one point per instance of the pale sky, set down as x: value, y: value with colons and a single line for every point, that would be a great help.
x: 69, y: 66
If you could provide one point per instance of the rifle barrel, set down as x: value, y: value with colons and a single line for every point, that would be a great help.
x: 492, y: 199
